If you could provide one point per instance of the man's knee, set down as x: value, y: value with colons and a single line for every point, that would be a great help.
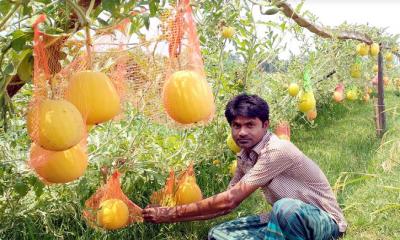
x: 215, y: 231
x: 284, y: 208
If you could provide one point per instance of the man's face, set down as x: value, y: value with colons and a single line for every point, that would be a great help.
x: 247, y: 132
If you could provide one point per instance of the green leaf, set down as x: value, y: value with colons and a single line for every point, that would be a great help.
x: 299, y: 6
x: 27, y: 10
x: 18, y: 41
x: 9, y: 69
x: 4, y: 7
x: 307, y: 79
x: 110, y: 5
x: 38, y: 188
x: 135, y: 26
x: 283, y: 26
x: 153, y: 4
x: 146, y: 21
x: 21, y: 188
x: 271, y: 11
x: 37, y: 185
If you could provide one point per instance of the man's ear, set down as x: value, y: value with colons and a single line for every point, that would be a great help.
x: 266, y: 124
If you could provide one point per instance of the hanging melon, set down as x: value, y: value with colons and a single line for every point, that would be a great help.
x: 94, y: 94
x: 61, y: 166
x: 306, y: 102
x: 188, y: 192
x: 233, y: 167
x: 188, y: 98
x: 362, y: 49
x: 374, y: 49
x: 232, y: 144
x: 311, y: 115
x: 55, y: 124
x: 228, y: 32
x: 112, y: 214
x: 388, y: 57
x: 293, y: 89
x: 355, y: 70
x: 338, y: 96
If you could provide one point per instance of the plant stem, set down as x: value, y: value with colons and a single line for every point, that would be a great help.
x: 88, y: 38
x: 88, y: 47
x: 9, y: 14
x: 85, y: 23
x: 90, y: 8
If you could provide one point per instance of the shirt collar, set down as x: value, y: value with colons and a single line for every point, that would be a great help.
x: 257, y: 148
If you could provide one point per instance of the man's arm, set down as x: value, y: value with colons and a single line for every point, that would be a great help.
x: 211, y: 207
x: 236, y: 177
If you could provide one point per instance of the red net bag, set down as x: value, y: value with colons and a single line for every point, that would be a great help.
x: 283, y: 130
x: 109, y: 208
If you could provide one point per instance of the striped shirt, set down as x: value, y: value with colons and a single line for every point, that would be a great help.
x: 283, y: 171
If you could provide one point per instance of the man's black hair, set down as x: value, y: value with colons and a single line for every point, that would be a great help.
x: 246, y: 105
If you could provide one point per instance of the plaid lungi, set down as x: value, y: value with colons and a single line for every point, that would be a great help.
x: 289, y: 219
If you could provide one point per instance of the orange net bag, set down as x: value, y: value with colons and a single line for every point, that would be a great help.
x: 187, y: 97
x: 109, y: 208
x: 187, y: 190
x: 178, y: 191
x: 77, y: 82
x: 283, y: 130
x: 56, y: 127
x: 165, y: 196
x: 166, y: 71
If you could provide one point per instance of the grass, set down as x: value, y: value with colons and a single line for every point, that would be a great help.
x: 345, y: 146
x: 342, y: 142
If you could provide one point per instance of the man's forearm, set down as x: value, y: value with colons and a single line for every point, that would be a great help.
x: 214, y: 206
x: 204, y: 209
x: 201, y: 217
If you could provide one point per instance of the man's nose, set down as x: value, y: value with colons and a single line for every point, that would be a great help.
x: 242, y: 132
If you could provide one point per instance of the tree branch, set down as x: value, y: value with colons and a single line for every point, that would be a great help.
x: 16, y: 84
x: 319, y: 30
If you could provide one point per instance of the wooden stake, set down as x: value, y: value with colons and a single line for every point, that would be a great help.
x: 381, y: 103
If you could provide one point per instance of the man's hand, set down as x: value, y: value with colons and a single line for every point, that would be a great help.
x: 158, y: 214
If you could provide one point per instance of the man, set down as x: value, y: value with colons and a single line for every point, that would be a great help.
x: 303, y: 204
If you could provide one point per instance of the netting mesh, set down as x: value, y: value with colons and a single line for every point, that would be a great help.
x: 282, y: 130
x: 111, y: 190
x: 166, y: 196
x: 137, y: 66
x: 173, y: 47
